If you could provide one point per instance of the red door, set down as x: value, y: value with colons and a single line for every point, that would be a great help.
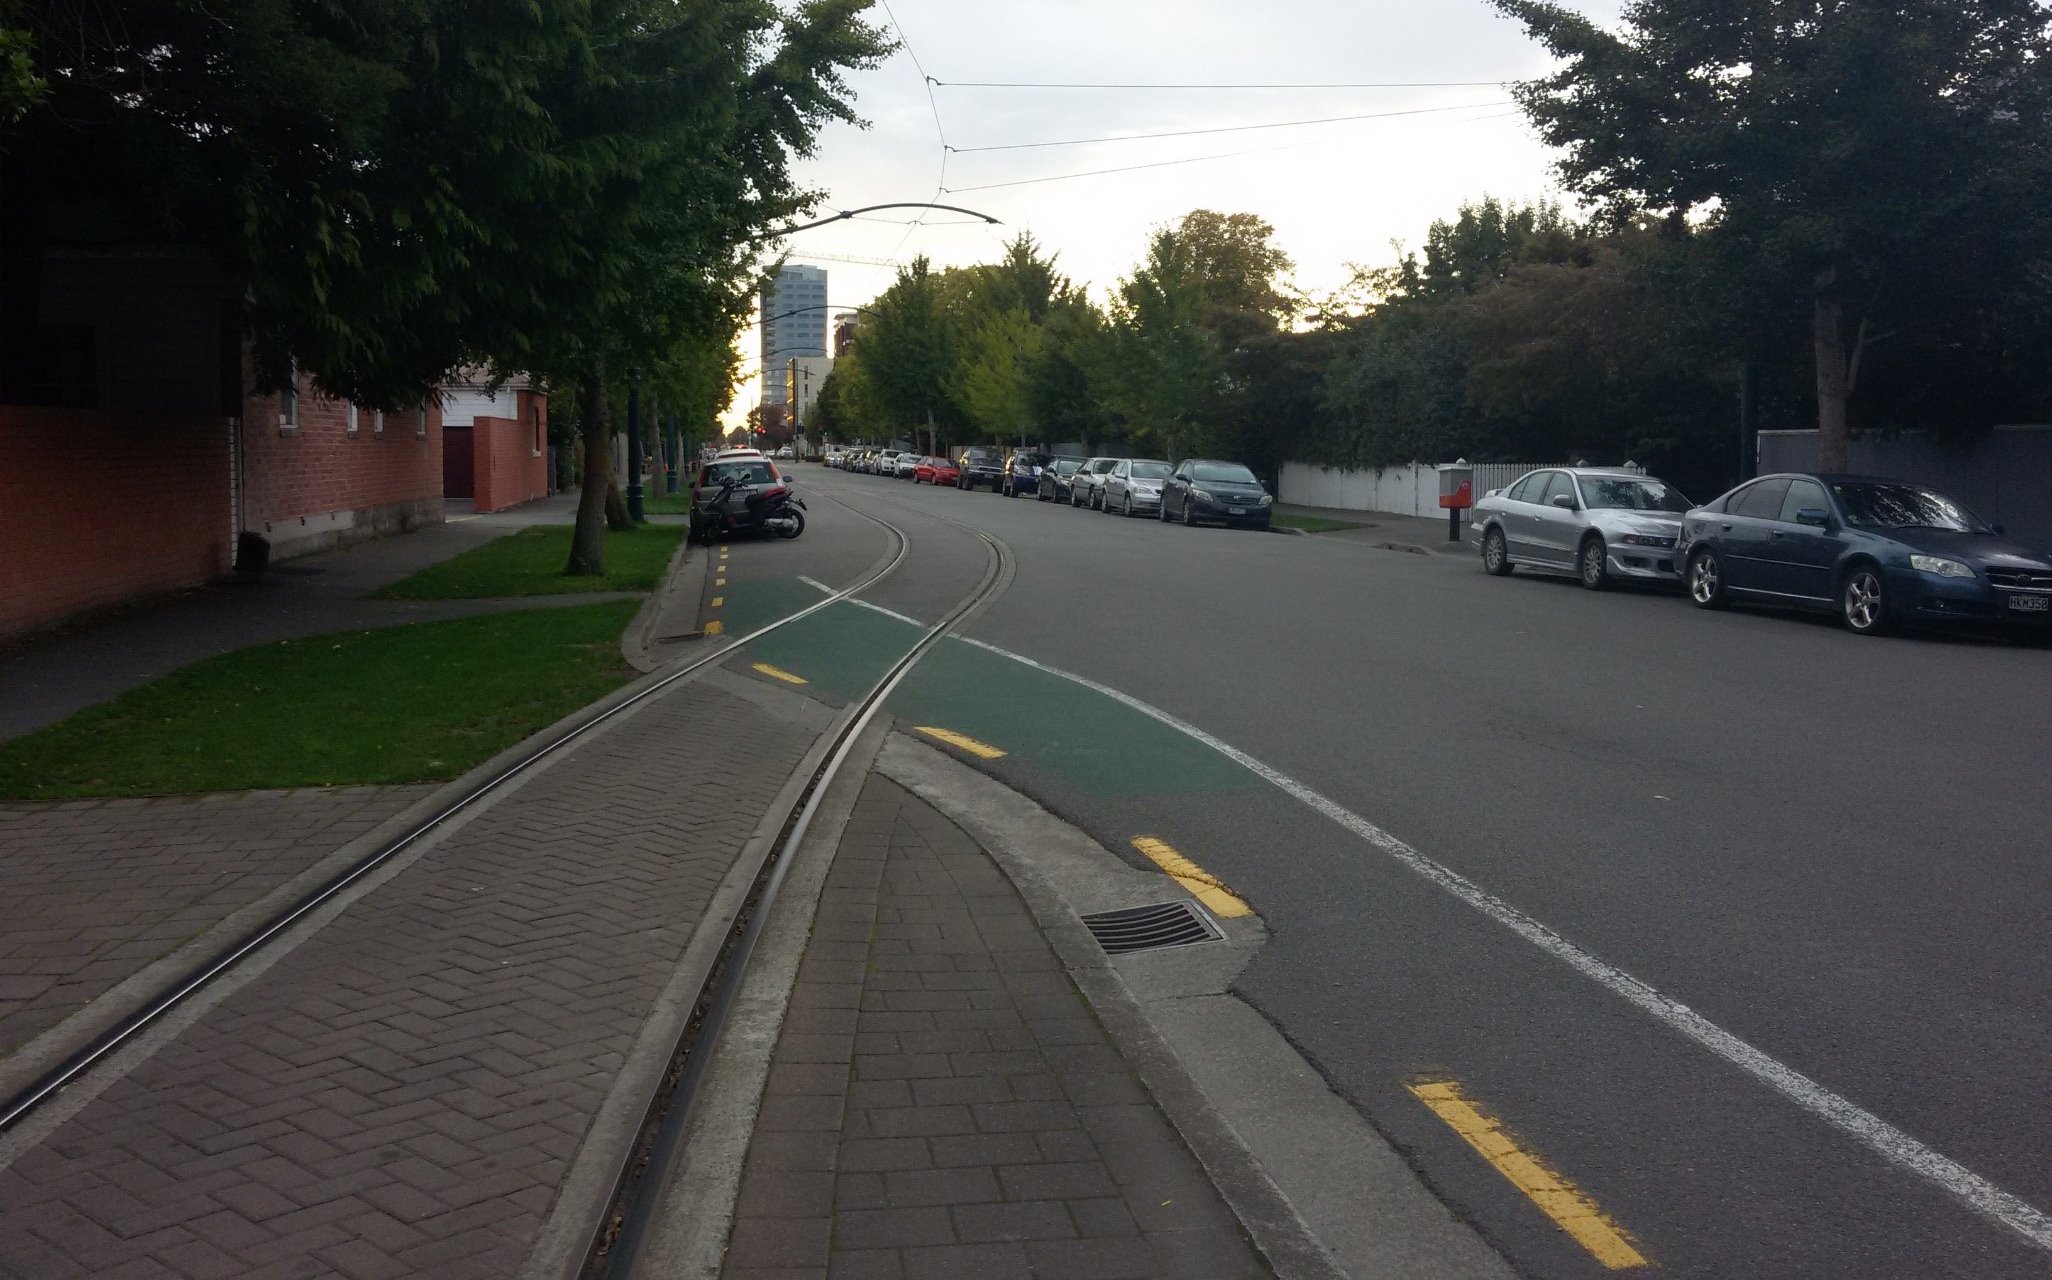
x: 459, y: 479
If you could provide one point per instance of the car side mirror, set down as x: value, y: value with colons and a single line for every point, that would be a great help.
x: 1815, y: 517
x: 1564, y: 501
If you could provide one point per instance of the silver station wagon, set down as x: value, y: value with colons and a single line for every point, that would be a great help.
x: 1594, y: 522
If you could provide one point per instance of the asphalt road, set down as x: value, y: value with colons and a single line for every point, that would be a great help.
x: 1831, y: 848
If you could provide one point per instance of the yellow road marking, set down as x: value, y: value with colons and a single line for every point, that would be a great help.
x: 778, y: 673
x: 1559, y: 1199
x: 718, y: 601
x: 981, y: 750
x: 1204, y: 886
x: 719, y: 582
x: 713, y: 628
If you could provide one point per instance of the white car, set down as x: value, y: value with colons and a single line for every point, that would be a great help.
x: 724, y: 454
x: 786, y: 453
x: 905, y: 465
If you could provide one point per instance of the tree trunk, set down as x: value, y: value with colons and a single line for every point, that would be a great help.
x: 1834, y: 435
x: 617, y: 516
x: 588, y: 541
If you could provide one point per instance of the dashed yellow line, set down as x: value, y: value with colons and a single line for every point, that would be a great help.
x: 719, y: 582
x: 1205, y: 887
x: 718, y: 601
x: 1559, y: 1199
x: 714, y: 627
x: 778, y: 673
x: 981, y: 750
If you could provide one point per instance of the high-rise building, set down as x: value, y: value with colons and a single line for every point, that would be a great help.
x: 844, y: 332
x: 794, y: 323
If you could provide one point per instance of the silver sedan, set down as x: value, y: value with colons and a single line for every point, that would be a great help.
x: 1596, y: 523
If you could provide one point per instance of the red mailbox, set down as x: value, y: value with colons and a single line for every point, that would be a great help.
x: 1456, y: 494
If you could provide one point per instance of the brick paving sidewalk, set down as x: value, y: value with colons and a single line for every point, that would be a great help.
x: 403, y: 1093
x: 92, y: 891
x: 941, y: 1103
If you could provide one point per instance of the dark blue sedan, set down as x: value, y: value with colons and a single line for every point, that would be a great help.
x: 1876, y: 552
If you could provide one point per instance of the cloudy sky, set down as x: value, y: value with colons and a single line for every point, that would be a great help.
x: 1336, y: 193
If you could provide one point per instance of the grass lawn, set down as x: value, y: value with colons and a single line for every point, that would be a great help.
x: 530, y: 563
x: 418, y: 703
x: 1314, y: 524
x: 667, y: 504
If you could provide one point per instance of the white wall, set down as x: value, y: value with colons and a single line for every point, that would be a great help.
x: 1409, y: 490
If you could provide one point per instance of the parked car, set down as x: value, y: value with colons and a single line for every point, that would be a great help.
x: 1022, y: 472
x: 724, y: 454
x: 1598, y: 523
x: 1134, y: 486
x: 905, y: 464
x: 885, y: 464
x: 982, y: 465
x: 1054, y: 479
x: 1877, y: 552
x: 787, y: 454
x: 1207, y: 491
x: 936, y: 471
x: 1086, y: 485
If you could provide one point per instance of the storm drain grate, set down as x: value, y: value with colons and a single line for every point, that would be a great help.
x: 1165, y: 924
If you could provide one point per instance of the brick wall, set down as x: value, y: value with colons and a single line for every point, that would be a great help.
x: 511, y: 463
x: 319, y: 484
x: 99, y: 507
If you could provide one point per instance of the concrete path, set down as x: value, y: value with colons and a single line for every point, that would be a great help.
x: 941, y: 1102
x: 1385, y: 530
x: 47, y: 677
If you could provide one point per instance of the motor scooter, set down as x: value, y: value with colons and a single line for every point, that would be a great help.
x: 775, y: 511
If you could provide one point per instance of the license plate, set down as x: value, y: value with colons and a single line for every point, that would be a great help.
x: 2031, y: 604
x: 1236, y: 511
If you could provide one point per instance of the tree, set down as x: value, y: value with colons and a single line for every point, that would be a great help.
x: 1879, y: 165
x: 909, y: 348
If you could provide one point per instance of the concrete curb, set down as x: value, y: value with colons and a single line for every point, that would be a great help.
x: 684, y: 579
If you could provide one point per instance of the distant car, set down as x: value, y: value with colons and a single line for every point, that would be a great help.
x: 737, y: 453
x: 1054, y: 479
x: 1597, y: 523
x: 904, y: 465
x: 1206, y: 491
x: 1086, y: 485
x: 1879, y: 553
x: 787, y: 453
x: 1134, y: 486
x: 886, y: 463
x: 1022, y: 472
x: 936, y: 471
x: 982, y: 465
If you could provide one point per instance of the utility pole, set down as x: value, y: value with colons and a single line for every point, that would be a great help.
x: 1749, y: 424
x: 634, y: 508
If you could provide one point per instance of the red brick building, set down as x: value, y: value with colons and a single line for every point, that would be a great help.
x: 495, y: 442
x: 131, y: 459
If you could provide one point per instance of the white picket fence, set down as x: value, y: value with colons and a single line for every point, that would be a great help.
x: 1410, y: 490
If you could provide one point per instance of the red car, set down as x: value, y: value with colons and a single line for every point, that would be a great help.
x: 936, y: 471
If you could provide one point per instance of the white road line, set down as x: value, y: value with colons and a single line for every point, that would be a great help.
x: 1892, y: 1144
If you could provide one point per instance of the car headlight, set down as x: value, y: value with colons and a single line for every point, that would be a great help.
x: 1646, y: 540
x: 1205, y: 494
x: 1265, y: 500
x: 1940, y: 566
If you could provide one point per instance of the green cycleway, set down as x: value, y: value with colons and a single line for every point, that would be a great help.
x: 1038, y: 719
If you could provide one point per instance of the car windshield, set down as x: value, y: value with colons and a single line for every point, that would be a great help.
x: 1030, y: 459
x: 1222, y: 473
x: 1063, y: 466
x: 1150, y: 470
x: 1612, y: 493
x: 757, y: 472
x: 1902, y: 506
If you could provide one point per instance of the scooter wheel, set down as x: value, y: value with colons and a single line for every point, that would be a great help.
x: 791, y: 524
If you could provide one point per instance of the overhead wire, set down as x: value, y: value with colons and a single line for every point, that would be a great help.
x: 1368, y: 84
x: 1231, y: 128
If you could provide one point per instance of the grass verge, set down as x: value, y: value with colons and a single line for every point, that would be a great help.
x: 419, y: 703
x: 530, y: 563
x: 667, y: 504
x: 1314, y: 524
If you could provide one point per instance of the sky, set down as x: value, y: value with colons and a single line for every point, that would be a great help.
x: 1337, y: 193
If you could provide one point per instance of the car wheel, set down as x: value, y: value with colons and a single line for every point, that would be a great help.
x: 1189, y: 521
x: 1496, y: 553
x: 1074, y: 501
x: 1161, y: 512
x: 1595, y: 564
x: 1706, y: 580
x: 1863, y: 601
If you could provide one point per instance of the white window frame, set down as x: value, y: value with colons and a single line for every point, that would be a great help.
x: 377, y: 422
x: 352, y: 419
x: 420, y: 423
x: 288, y: 401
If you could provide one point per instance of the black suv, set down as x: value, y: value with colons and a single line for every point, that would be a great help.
x: 1022, y: 472
x: 982, y: 466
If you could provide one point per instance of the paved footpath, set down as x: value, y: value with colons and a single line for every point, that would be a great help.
x: 403, y: 1093
x: 91, y: 891
x: 941, y: 1103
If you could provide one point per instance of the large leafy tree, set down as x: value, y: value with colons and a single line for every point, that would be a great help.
x: 910, y: 346
x: 1877, y: 165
